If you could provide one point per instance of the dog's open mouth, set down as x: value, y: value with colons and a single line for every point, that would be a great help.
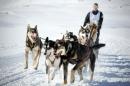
x: 34, y: 36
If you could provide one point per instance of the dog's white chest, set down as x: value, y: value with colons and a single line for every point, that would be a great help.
x: 51, y: 60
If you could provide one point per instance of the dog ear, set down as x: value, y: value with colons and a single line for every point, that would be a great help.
x: 63, y: 37
x: 47, y: 39
x: 28, y: 27
x: 36, y: 27
x: 66, y: 31
x: 82, y: 27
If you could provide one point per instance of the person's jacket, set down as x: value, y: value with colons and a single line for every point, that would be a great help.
x: 87, y: 18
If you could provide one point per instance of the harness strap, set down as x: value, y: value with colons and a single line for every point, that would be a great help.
x: 52, y: 62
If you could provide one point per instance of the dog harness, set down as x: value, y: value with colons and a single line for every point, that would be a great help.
x: 50, y: 54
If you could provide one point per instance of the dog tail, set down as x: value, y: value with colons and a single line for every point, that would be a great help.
x: 98, y: 46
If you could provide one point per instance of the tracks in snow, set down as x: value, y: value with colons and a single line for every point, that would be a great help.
x: 111, y: 70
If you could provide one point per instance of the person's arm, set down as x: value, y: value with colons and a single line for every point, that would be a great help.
x: 100, y: 20
x: 86, y: 19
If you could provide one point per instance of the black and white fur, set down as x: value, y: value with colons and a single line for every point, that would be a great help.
x: 52, y: 62
x: 78, y: 55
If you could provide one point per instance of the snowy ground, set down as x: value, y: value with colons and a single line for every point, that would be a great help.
x: 53, y: 18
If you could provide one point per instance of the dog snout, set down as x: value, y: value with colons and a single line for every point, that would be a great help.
x: 54, y: 53
x: 44, y: 53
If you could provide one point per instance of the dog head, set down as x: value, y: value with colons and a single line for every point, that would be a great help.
x: 89, y: 31
x: 69, y: 36
x: 59, y: 47
x: 48, y: 44
x: 84, y: 30
x: 84, y: 34
x: 32, y: 33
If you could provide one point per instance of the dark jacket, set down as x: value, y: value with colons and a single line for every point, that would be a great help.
x: 87, y: 18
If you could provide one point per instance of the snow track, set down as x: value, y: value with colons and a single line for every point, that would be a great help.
x: 110, y: 71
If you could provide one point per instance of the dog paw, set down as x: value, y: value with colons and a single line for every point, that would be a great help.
x: 65, y: 82
x: 25, y: 67
x: 72, y: 81
x: 35, y: 68
x: 81, y: 79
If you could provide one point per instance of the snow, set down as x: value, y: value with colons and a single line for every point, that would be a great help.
x: 53, y: 18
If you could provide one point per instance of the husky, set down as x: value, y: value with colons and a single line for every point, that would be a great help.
x: 69, y: 36
x: 78, y: 55
x: 93, y: 29
x: 84, y: 33
x: 33, y: 44
x: 52, y: 62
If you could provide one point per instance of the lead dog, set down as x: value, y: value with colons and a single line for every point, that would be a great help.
x: 78, y: 55
x: 52, y: 61
x: 33, y: 44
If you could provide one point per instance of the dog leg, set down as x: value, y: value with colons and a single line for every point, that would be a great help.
x: 53, y: 73
x: 46, y: 69
x: 26, y: 58
x: 37, y: 61
x: 65, y: 70
x: 72, y: 77
x: 80, y: 73
x: 33, y: 57
x: 86, y: 66
x: 49, y: 75
x: 76, y: 67
x: 36, y: 58
x: 91, y: 77
x: 92, y: 66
